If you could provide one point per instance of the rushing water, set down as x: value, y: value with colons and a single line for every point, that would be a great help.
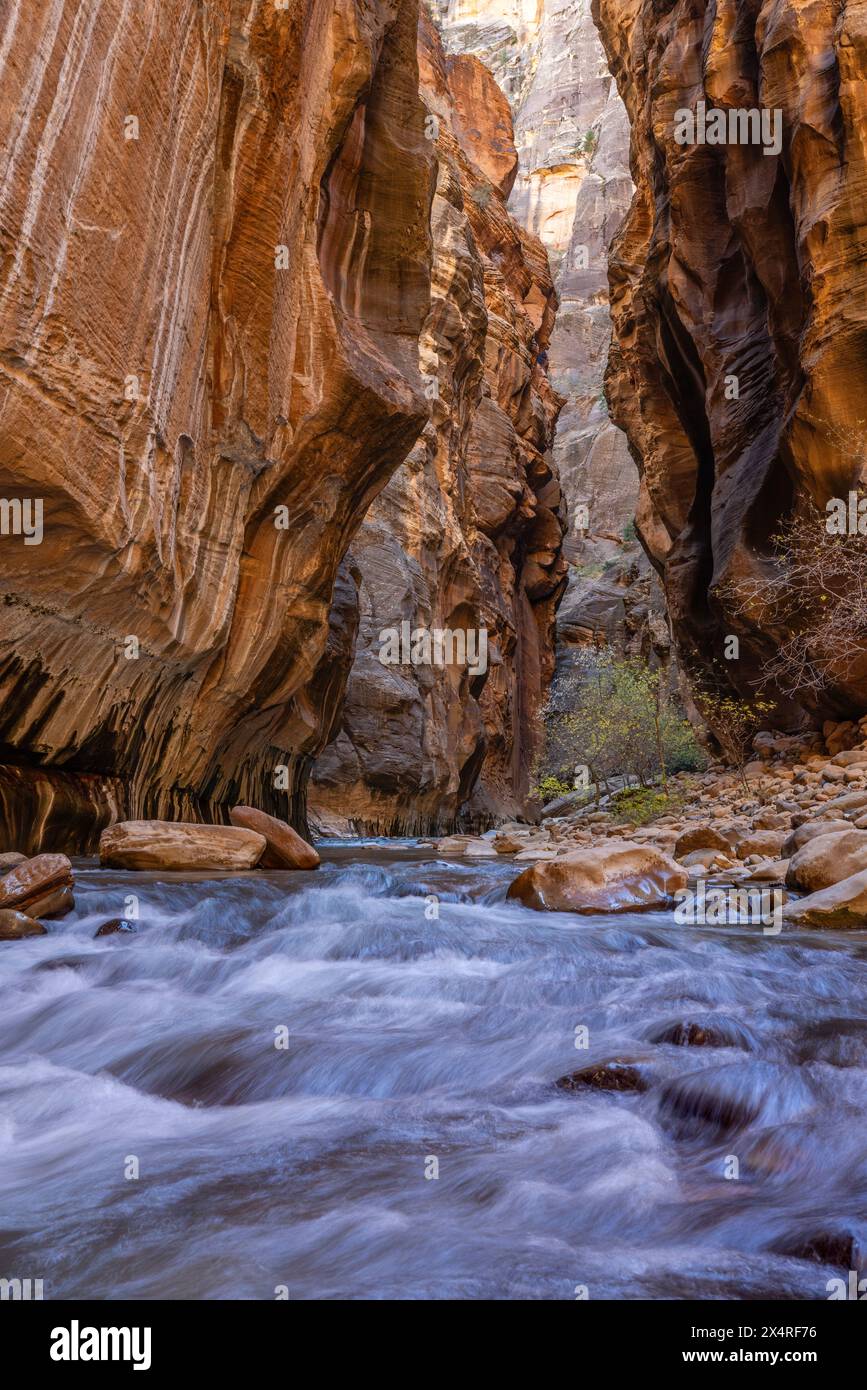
x: 410, y: 1037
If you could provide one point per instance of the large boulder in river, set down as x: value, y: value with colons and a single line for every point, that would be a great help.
x: 39, y: 887
x: 618, y: 877
x: 284, y: 847
x: 827, y: 859
x: 14, y: 926
x: 161, y: 844
x: 843, y: 905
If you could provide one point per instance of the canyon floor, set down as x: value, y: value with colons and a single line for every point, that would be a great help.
x: 387, y: 1079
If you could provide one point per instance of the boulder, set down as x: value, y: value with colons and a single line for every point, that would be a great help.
x: 700, y: 837
x: 40, y: 887
x: 614, y: 877
x: 284, y: 847
x: 10, y: 860
x: 705, y: 859
x: 843, y: 905
x: 766, y: 843
x: 159, y: 844
x: 810, y: 830
x: 14, y: 926
x: 827, y: 859
x: 769, y: 871
x: 117, y: 924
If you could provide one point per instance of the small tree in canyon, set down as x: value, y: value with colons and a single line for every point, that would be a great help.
x: 614, y: 717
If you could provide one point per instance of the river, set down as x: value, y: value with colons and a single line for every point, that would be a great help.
x: 248, y: 1098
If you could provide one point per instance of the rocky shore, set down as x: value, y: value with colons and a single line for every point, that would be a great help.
x: 41, y: 887
x: 793, y: 819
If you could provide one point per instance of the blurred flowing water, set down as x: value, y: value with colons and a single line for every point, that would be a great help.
x: 411, y: 1036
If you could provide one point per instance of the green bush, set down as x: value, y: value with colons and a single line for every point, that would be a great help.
x: 614, y: 717
x: 643, y: 804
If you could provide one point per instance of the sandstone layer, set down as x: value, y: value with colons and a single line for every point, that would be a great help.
x: 572, y: 189
x: 739, y: 299
x: 467, y: 534
x: 214, y: 270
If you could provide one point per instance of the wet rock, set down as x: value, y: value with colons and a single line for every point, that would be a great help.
x: 724, y: 1098
x: 717, y: 1031
x: 614, y: 877
x: 284, y: 847
x: 844, y: 1246
x: 15, y: 926
x: 177, y: 846
x: 117, y: 924
x: 616, y: 1075
x: 700, y: 837
x: 840, y: 907
x: 828, y: 859
x: 40, y: 887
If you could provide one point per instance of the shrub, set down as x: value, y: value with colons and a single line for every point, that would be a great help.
x: 613, y: 717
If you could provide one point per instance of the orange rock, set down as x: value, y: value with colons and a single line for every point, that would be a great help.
x: 618, y: 877
x: 284, y: 848
x: 40, y: 887
x: 154, y: 844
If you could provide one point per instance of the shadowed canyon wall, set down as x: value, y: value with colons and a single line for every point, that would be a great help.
x: 468, y: 532
x: 214, y: 271
x: 736, y: 263
x: 572, y: 189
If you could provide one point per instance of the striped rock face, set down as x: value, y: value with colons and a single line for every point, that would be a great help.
x: 214, y: 224
x: 739, y: 298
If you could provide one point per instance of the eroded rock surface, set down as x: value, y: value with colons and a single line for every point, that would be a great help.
x: 467, y: 535
x: 214, y: 224
x: 572, y: 189
x: 739, y: 298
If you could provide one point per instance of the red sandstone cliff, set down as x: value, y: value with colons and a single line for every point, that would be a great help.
x: 214, y: 270
x: 734, y: 263
x: 468, y: 532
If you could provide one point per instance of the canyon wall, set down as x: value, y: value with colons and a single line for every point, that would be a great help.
x: 467, y: 534
x: 572, y: 189
x: 739, y: 299
x: 214, y: 272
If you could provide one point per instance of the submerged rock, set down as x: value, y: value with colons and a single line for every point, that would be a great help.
x: 616, y: 1075
x: 284, y: 847
x: 618, y: 877
x: 14, y: 926
x: 40, y: 887
x: 117, y: 924
x: 712, y: 1032
x: 157, y: 844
